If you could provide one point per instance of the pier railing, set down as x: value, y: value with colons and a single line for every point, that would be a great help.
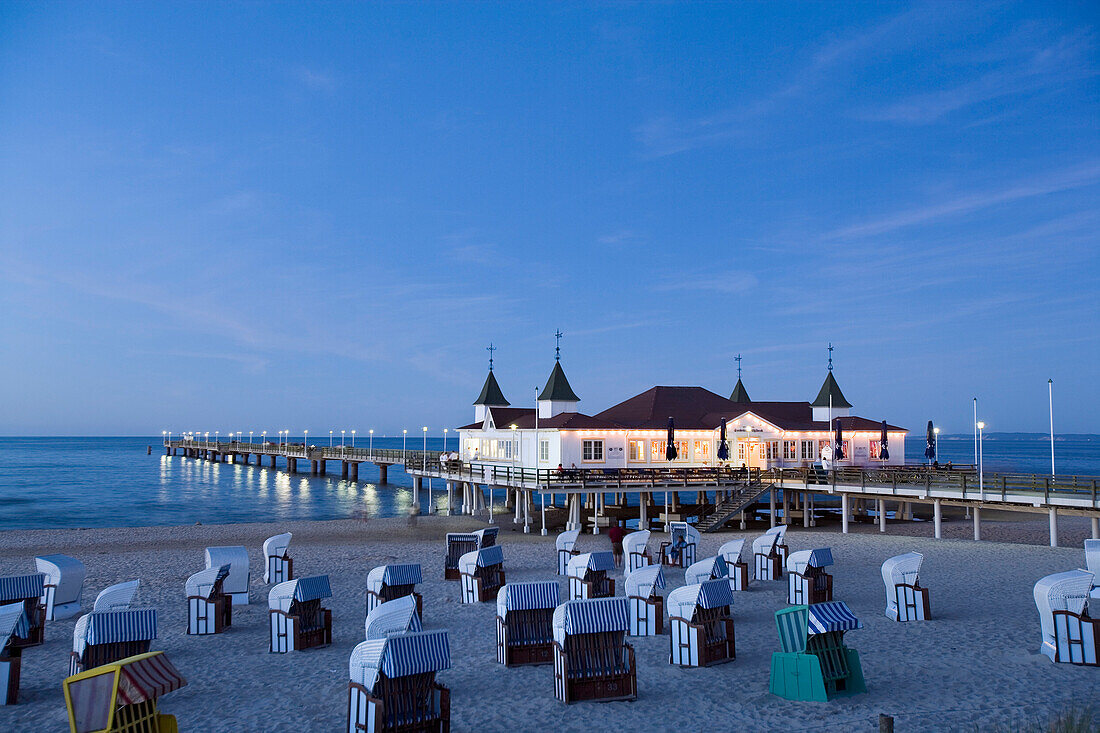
x: 412, y: 458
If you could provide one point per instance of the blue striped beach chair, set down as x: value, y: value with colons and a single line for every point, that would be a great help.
x: 813, y: 663
x: 566, y: 543
x: 587, y: 575
x: 390, y: 618
x: 700, y: 625
x: 906, y: 599
x: 807, y: 581
x: 13, y: 624
x: 278, y: 565
x: 592, y: 660
x: 525, y: 630
x: 1069, y: 633
x: 28, y: 590
x: 64, y: 585
x: 736, y: 566
x: 393, y: 687
x: 388, y: 582
x: 121, y: 697
x: 209, y: 609
x: 636, y: 549
x: 102, y: 637
x: 482, y: 574
x: 460, y: 543
x: 647, y: 606
x: 236, y: 557
x: 709, y: 568
x: 298, y: 620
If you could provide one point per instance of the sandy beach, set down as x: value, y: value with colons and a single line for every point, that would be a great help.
x: 975, y: 665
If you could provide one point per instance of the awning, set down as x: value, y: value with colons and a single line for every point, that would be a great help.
x: 147, y: 677
x: 566, y: 540
x: 13, y: 622
x: 715, y: 594
x: 528, y: 596
x: 706, y: 569
x: 312, y: 588
x: 641, y: 582
x: 203, y: 582
x: 22, y: 587
x: 453, y: 537
x: 484, y: 558
x: 140, y: 678
x: 487, y: 537
x: 132, y: 624
x: 399, y: 656
x: 591, y: 616
x: 821, y: 558
x: 831, y: 616
x: 590, y: 561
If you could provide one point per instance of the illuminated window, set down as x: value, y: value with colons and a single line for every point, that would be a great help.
x: 789, y: 450
x: 637, y: 450
x: 702, y: 451
x: 740, y: 450
x: 683, y: 450
x: 876, y: 449
x: 592, y: 450
x: 657, y: 450
x: 808, y: 450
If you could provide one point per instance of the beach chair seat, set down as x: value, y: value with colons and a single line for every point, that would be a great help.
x: 770, y: 554
x: 121, y: 697
x: 736, y: 566
x: 709, y: 568
x: 565, y: 543
x: 682, y: 545
x: 807, y: 581
x: 647, y: 606
x: 278, y: 565
x: 700, y: 625
x: 388, y: 582
x: 482, y: 574
x: 906, y: 600
x: 636, y: 549
x: 64, y: 585
x: 236, y: 557
x: 13, y: 625
x: 592, y: 660
x: 29, y: 591
x: 460, y: 543
x: 298, y: 620
x: 525, y: 630
x: 813, y: 663
x: 103, y: 637
x: 587, y: 574
x: 209, y: 608
x: 390, y: 618
x: 116, y: 597
x: 393, y: 688
x: 1069, y: 633
x: 1092, y: 564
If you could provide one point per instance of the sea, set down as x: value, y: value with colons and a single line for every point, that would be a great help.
x: 68, y: 482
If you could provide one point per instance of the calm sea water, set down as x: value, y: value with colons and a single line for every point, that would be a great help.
x: 111, y: 482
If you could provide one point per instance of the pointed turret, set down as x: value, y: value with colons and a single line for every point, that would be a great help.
x: 557, y: 396
x: 490, y: 396
x: 840, y: 405
x: 740, y: 394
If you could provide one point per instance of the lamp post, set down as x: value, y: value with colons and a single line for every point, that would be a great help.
x: 342, y: 432
x: 353, y: 440
x: 1050, y: 395
x: 512, y: 450
x: 206, y: 439
x: 250, y: 437
x: 404, y: 442
x: 424, y: 465
x: 975, y: 431
x: 981, y: 466
x: 936, y: 450
x: 444, y: 440
x: 330, y: 439
x: 305, y: 442
x: 371, y: 431
x: 164, y: 435
x: 263, y: 438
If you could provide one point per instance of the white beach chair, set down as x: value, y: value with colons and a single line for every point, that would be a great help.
x: 1092, y: 564
x: 393, y: 685
x: 209, y: 609
x: 236, y: 557
x: 807, y: 581
x: 587, y: 575
x: 592, y: 660
x: 1069, y: 634
x: 116, y: 597
x: 709, y: 568
x: 525, y: 614
x: 63, y: 587
x: 102, y: 637
x: 482, y: 574
x: 459, y: 543
x: 390, y: 618
x: 278, y: 566
x: 682, y: 545
x: 13, y: 625
x: 298, y: 620
x: 565, y: 544
x: 27, y: 590
x: 700, y: 624
x: 736, y: 566
x: 647, y: 606
x: 387, y: 582
x: 769, y: 553
x: 636, y: 549
x: 906, y: 600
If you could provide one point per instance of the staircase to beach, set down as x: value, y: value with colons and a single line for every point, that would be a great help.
x: 743, y: 495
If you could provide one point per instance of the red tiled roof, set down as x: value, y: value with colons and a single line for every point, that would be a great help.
x: 692, y: 408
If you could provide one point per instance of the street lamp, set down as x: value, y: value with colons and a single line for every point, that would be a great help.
x: 353, y: 440
x: 263, y: 438
x: 424, y: 465
x: 215, y: 437
x: 250, y: 437
x: 305, y: 441
x: 444, y: 440
x: 981, y: 466
x: 404, y: 441
x: 206, y: 442
x: 342, y: 439
x: 936, y: 450
x: 330, y: 439
x: 371, y: 447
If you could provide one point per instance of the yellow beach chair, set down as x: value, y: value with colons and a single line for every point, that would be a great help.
x: 121, y: 697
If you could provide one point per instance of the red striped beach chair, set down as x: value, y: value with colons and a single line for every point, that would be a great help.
x: 393, y: 687
x: 121, y: 697
x: 482, y: 574
x: 700, y: 625
x: 592, y: 660
x: 298, y: 620
x: 102, y: 637
x: 525, y: 630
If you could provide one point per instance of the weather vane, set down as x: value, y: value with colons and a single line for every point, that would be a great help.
x: 557, y: 345
x: 830, y: 356
x: 490, y: 348
x: 738, y: 360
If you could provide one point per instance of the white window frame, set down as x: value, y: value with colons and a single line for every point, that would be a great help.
x: 589, y: 447
x: 544, y: 450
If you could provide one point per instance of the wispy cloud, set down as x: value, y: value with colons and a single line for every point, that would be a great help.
x: 718, y: 282
x: 314, y: 80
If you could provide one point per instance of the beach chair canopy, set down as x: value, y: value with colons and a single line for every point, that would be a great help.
x: 901, y: 570
x: 731, y: 551
x: 527, y: 596
x: 764, y: 544
x: 797, y: 562
x: 114, y: 597
x: 780, y: 531
x: 678, y: 530
x: 277, y: 546
x: 137, y: 679
x: 797, y: 623
x: 706, y: 569
x: 487, y: 537
x: 636, y: 542
x: 684, y: 600
x: 483, y: 558
x: 399, y: 656
x: 453, y: 537
x: 393, y: 617
x: 566, y: 540
x: 113, y: 627
x: 22, y: 587
x: 581, y: 564
x: 236, y: 557
x: 65, y: 573
x: 1092, y: 556
x: 591, y: 616
x: 202, y: 583
x: 282, y: 595
x: 391, y: 575
x: 1068, y: 591
x: 642, y: 582
x: 13, y: 622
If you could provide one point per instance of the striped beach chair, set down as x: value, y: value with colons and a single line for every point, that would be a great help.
x: 390, y: 618
x: 647, y: 606
x: 116, y: 597
x: 906, y: 600
x: 27, y: 590
x: 64, y: 585
x: 1069, y: 633
x: 566, y: 543
x: 807, y: 581
x: 813, y: 663
x: 393, y: 686
x: 736, y: 566
x: 387, y: 582
x: 681, y: 548
x: 525, y: 630
x: 102, y: 637
x: 278, y: 565
x: 592, y: 660
x: 700, y: 625
x: 769, y: 553
x: 461, y: 543
x: 482, y: 574
x: 209, y: 609
x: 636, y: 549
x: 587, y: 575
x: 122, y: 696
x: 1092, y: 564
x: 236, y: 557
x: 13, y: 625
x: 709, y: 568
x: 298, y: 620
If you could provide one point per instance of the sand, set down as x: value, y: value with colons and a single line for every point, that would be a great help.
x: 975, y: 665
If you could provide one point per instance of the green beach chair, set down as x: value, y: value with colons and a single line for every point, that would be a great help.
x: 813, y: 663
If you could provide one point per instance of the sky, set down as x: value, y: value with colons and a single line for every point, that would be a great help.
x: 246, y: 216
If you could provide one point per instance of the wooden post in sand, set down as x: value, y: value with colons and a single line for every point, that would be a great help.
x: 882, y: 516
x: 937, y: 518
x: 1054, y: 526
x: 885, y: 724
x: 771, y: 504
x: 977, y: 523
x: 844, y: 513
x: 1096, y: 528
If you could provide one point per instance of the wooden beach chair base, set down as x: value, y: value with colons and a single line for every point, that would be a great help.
x: 598, y: 671
x: 206, y: 616
x: 912, y: 602
x: 413, y: 704
x: 1077, y: 638
x: 9, y: 676
x: 96, y: 655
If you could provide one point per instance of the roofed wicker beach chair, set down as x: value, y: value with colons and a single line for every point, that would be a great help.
x: 390, y: 618
x: 592, y: 660
x: 1092, y: 564
x: 13, y: 624
x: 588, y: 575
x: 102, y: 637
x: 1069, y: 633
x: 393, y: 687
x: 566, y: 543
x: 27, y: 590
x: 460, y: 543
x: 709, y: 568
x: 769, y: 553
x: 525, y: 630
x: 647, y: 606
x: 807, y: 581
x: 736, y: 566
x: 813, y: 663
x: 209, y: 609
x: 64, y: 585
x: 700, y: 624
x: 121, y: 697
x: 482, y: 574
x: 387, y: 582
x: 298, y: 620
x: 116, y: 597
x: 278, y: 565
x: 636, y: 549
x: 236, y: 557
x: 906, y: 600
x: 681, y: 546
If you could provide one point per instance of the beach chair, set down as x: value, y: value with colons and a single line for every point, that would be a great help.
x: 278, y: 565
x: 209, y: 609
x: 813, y: 663
x: 636, y: 549
x: 647, y: 606
x: 592, y: 660
x: 1092, y: 564
x: 121, y: 697
x: 525, y: 629
x: 389, y: 618
x: 769, y: 553
x: 28, y: 590
x: 298, y: 620
x: 587, y: 575
x: 460, y: 543
x: 1069, y: 633
x: 700, y: 625
x: 807, y: 581
x: 116, y: 597
x: 736, y: 567
x: 393, y: 687
x: 906, y: 600
x: 387, y: 582
x: 13, y: 625
x: 681, y: 546
x: 565, y: 544
x: 236, y: 557
x: 102, y: 637
x: 482, y: 574
x: 63, y: 587
x: 709, y: 568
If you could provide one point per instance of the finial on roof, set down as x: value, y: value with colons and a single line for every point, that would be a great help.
x: 738, y: 360
x: 830, y: 356
x: 557, y: 345
x: 490, y: 348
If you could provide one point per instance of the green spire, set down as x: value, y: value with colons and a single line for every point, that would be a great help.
x: 557, y: 387
x: 491, y: 395
x: 830, y: 387
x: 740, y: 394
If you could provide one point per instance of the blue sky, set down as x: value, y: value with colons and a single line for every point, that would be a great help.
x: 242, y: 216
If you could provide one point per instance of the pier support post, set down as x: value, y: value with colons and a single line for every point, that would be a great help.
x: 492, y: 519
x: 313, y: 467
x: 383, y: 473
x: 450, y: 497
x: 273, y: 457
x: 1096, y: 528
x: 844, y: 502
x: 416, y: 495
x: 882, y: 516
x: 771, y: 507
x: 292, y: 465
x: 355, y: 471
x: 515, y: 500
x: 977, y: 512
x: 643, y: 520
x: 343, y: 469
x: 742, y: 520
x: 1053, y: 526
x: 321, y: 465
x: 937, y: 518
x: 805, y: 510
x: 786, y: 508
